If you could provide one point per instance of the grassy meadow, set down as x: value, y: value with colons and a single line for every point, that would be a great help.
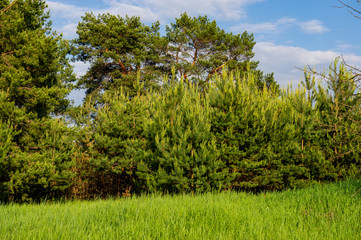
x: 320, y: 212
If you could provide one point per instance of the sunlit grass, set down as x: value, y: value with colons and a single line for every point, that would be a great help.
x: 320, y: 212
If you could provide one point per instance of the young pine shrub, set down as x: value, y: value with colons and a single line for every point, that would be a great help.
x: 182, y: 156
x: 257, y: 139
x: 338, y: 104
x: 6, y: 136
x: 109, y: 146
x: 39, y: 167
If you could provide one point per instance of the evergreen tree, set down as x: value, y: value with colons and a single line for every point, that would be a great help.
x: 182, y: 153
x: 109, y: 144
x: 34, y: 69
x: 35, y: 78
x: 339, y: 107
x: 199, y: 48
x: 117, y: 49
x: 256, y: 135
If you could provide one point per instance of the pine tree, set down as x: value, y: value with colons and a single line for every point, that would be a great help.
x: 35, y: 78
x: 339, y: 106
x: 199, y: 48
x: 182, y: 155
x: 117, y: 48
x: 34, y: 69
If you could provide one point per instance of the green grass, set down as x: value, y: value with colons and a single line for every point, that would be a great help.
x: 320, y: 212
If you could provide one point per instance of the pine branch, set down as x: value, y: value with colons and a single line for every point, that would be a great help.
x: 7, y: 8
x: 216, y: 69
x: 3, y: 54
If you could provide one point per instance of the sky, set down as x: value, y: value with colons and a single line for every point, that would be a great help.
x: 289, y: 34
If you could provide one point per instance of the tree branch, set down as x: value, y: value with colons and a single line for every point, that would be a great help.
x: 216, y: 69
x: 353, y: 11
x: 7, y: 8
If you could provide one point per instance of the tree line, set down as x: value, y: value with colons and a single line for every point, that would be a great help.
x: 185, y: 112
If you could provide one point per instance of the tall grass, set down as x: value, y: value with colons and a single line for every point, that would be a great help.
x: 320, y: 212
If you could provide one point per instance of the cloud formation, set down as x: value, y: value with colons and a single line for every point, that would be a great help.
x: 313, y: 27
x: 151, y: 10
x: 224, y: 9
x: 310, y: 27
x: 66, y: 11
x: 281, y: 59
x: 284, y: 61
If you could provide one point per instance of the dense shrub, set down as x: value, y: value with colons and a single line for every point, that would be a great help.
x: 233, y: 135
x: 136, y: 135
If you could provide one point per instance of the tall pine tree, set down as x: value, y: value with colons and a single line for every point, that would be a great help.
x: 35, y: 78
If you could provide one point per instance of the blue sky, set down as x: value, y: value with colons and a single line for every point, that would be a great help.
x: 288, y: 33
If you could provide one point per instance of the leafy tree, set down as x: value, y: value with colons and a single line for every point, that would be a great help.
x: 108, y: 146
x: 255, y: 134
x: 6, y: 137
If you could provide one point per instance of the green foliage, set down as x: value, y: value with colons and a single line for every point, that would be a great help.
x: 35, y: 78
x: 199, y: 48
x: 33, y: 65
x: 235, y: 135
x: 109, y: 144
x: 117, y: 49
x: 256, y: 134
x: 184, y: 157
x: 6, y: 135
x: 339, y: 109
x: 38, y: 166
x: 321, y: 212
x: 215, y: 122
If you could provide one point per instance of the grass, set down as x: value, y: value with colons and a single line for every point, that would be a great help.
x: 320, y: 212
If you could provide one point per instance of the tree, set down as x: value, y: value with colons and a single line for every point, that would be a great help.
x: 117, y: 49
x: 34, y: 69
x: 338, y: 104
x: 35, y: 78
x: 120, y: 48
x: 181, y: 154
x: 7, y: 7
x: 199, y: 48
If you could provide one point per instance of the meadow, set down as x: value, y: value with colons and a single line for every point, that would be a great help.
x: 323, y: 211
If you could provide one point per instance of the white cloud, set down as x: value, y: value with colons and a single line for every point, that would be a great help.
x: 123, y: 9
x: 282, y: 24
x: 69, y: 30
x: 80, y: 68
x: 266, y: 27
x: 345, y: 46
x: 150, y: 10
x: 284, y: 60
x: 71, y: 14
x: 313, y: 27
x: 58, y: 9
x: 225, y: 9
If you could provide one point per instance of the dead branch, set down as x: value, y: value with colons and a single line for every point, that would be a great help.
x: 353, y: 11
